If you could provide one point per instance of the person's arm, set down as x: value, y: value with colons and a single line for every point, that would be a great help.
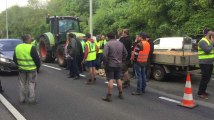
x: 105, y: 53
x: 205, y: 47
x: 80, y: 48
x: 86, y: 53
x: 138, y: 48
x: 125, y: 53
x: 14, y: 58
x: 35, y: 57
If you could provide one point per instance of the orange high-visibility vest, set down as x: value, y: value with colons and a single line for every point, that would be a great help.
x: 143, y: 54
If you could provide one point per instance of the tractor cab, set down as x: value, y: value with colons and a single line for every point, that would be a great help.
x: 61, y: 25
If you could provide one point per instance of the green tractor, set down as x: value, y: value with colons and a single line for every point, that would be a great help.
x: 51, y: 44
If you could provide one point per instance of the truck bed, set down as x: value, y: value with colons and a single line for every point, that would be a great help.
x: 178, y: 58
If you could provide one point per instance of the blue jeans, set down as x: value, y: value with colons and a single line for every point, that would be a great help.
x: 141, y: 77
x: 99, y: 60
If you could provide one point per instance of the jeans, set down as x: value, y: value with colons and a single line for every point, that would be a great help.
x: 99, y: 60
x: 206, y: 71
x: 27, y: 85
x: 141, y: 77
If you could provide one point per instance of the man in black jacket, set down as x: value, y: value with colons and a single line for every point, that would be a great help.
x: 126, y: 40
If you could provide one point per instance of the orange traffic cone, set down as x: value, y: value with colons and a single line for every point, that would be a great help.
x: 188, y: 97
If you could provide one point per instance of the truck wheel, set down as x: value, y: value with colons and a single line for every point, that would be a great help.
x: 158, y: 73
x: 45, y: 55
x: 60, y: 56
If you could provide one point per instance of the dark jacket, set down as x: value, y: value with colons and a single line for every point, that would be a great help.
x: 127, y: 43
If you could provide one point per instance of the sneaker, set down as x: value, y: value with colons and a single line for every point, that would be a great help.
x: 120, y: 96
x: 207, y: 94
x: 203, y: 96
x: 70, y: 76
x: 136, y: 93
x: 126, y: 84
x: 33, y: 102
x: 22, y: 102
x: 76, y: 78
x: 107, y: 99
x: 89, y: 82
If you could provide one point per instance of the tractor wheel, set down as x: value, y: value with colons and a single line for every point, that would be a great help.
x: 60, y: 56
x: 158, y: 73
x: 44, y: 47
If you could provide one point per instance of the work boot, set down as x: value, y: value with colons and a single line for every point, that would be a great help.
x: 89, y: 82
x: 94, y: 81
x: 76, y: 78
x: 107, y: 98
x: 126, y: 84
x: 120, y: 95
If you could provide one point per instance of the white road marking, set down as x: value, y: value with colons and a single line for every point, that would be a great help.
x: 13, y: 110
x: 82, y: 75
x: 51, y: 67
x: 170, y: 100
x: 212, y: 79
x: 113, y: 83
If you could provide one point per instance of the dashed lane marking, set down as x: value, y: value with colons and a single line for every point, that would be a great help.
x: 113, y: 83
x: 82, y: 75
x: 12, y: 110
x: 52, y: 67
x: 170, y: 100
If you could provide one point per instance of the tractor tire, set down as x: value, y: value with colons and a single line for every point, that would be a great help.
x: 158, y: 73
x: 44, y: 50
x: 60, y: 56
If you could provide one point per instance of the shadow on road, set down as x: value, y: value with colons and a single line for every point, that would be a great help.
x: 8, y: 74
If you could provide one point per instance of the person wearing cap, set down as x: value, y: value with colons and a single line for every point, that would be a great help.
x: 139, y: 57
x: 91, y: 50
x: 206, y: 59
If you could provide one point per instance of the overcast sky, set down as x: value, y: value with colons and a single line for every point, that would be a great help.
x: 12, y: 3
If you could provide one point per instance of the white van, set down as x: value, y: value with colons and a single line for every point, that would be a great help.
x: 173, y: 43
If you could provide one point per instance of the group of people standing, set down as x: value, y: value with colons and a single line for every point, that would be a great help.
x: 116, y: 56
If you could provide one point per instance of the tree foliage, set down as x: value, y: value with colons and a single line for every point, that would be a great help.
x: 158, y: 18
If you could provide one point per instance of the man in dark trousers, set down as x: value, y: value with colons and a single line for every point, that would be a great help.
x: 206, y: 59
x: 140, y: 57
x: 1, y: 90
x: 28, y: 61
x: 73, y: 49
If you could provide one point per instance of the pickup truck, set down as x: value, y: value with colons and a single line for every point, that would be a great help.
x: 173, y: 54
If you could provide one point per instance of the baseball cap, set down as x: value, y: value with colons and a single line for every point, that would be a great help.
x: 143, y: 35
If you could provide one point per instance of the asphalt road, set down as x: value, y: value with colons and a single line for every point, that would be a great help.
x: 61, y: 98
